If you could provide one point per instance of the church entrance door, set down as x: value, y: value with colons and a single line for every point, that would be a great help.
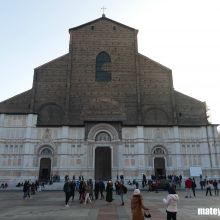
x: 103, y: 163
x: 45, y: 169
x: 159, y: 167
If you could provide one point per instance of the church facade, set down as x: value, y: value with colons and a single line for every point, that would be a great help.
x: 102, y: 110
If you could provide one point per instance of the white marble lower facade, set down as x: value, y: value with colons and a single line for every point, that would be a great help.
x: 23, y: 146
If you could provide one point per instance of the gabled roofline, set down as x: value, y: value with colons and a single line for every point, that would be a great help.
x: 102, y: 18
x: 188, y: 97
x: 38, y: 67
x: 167, y: 68
x: 7, y: 101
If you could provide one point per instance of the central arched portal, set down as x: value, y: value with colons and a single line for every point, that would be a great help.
x: 45, y: 169
x: 103, y: 166
x: 159, y: 167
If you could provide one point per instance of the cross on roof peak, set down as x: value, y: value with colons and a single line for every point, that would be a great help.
x: 103, y: 11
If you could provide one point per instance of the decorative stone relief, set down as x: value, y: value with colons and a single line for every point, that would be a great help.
x: 159, y: 150
x: 103, y: 136
x: 102, y: 127
x: 158, y: 135
x: 46, y: 152
x: 47, y: 136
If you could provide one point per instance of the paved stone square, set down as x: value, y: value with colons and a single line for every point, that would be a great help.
x: 50, y: 205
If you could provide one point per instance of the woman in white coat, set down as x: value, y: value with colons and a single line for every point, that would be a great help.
x: 171, y: 203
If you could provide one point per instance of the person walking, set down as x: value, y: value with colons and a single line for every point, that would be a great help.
x: 96, y: 189
x: 137, y: 206
x: 67, y: 191
x: 32, y: 187
x: 194, y: 187
x: 144, y: 181
x: 117, y: 184
x: 171, y: 203
x: 101, y: 188
x: 121, y: 192
x: 72, y: 186
x: 87, y: 192
x: 26, y: 190
x: 81, y: 191
x: 215, y: 185
x: 201, y: 184
x: 91, y: 194
x: 208, y: 188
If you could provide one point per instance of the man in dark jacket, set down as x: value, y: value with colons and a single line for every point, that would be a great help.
x: 101, y: 188
x: 67, y: 190
x: 96, y: 189
x: 26, y: 190
x: 215, y: 184
x: 194, y: 187
x: 72, y: 186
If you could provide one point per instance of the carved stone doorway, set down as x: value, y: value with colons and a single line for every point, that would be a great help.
x: 103, y: 165
x: 45, y: 169
x: 159, y: 167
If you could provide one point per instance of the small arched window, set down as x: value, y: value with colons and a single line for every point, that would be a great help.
x: 103, y: 67
x: 103, y: 136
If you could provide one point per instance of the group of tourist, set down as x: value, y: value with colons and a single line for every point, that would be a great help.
x: 209, y: 185
x: 86, y: 189
x: 30, y: 188
x: 3, y: 185
x: 155, y: 183
x: 89, y: 191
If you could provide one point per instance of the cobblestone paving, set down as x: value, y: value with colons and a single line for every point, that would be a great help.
x: 50, y: 205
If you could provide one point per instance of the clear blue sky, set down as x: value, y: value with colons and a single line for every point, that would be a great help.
x: 180, y: 34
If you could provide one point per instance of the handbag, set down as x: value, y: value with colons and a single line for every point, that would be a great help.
x: 147, y: 214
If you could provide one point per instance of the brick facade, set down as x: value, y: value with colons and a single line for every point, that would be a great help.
x: 65, y: 90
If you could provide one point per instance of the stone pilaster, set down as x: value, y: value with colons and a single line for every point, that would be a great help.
x: 64, y: 148
x: 140, y: 146
x: 28, y: 146
x: 120, y: 158
x: 177, y: 145
x: 2, y: 119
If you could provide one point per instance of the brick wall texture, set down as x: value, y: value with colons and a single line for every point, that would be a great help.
x: 65, y: 90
